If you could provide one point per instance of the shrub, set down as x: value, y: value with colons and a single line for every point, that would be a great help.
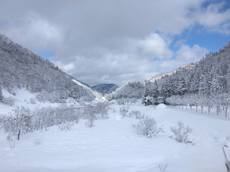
x: 121, y: 101
x: 90, y: 112
x: 47, y: 117
x: 23, y: 121
x: 125, y: 101
x: 124, y: 111
x: 136, y: 114
x: 66, y: 126
x: 102, y: 109
x: 147, y: 127
x: 8, y: 101
x: 181, y: 133
x: 19, y: 123
x: 163, y: 167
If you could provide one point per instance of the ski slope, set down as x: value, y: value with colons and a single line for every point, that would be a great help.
x: 113, y: 146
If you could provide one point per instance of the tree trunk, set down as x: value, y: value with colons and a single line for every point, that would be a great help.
x: 217, y: 110
x: 19, y: 133
x: 209, y: 109
x: 202, y: 109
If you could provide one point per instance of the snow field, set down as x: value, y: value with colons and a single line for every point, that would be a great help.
x: 113, y: 146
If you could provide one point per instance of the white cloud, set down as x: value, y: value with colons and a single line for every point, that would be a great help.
x: 214, y: 18
x: 65, y: 67
x: 35, y: 32
x: 156, y: 46
x: 111, y: 40
x: 109, y: 67
x: 190, y: 54
x: 132, y: 64
x: 185, y: 55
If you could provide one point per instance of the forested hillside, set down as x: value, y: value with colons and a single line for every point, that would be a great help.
x: 206, y: 83
x: 128, y: 91
x: 105, y: 88
x: 20, y: 68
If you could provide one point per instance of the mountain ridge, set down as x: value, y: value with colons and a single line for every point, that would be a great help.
x: 21, y: 68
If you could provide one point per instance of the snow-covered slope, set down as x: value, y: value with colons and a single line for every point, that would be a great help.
x: 21, y: 68
x: 98, y: 96
x: 21, y: 98
x: 168, y: 74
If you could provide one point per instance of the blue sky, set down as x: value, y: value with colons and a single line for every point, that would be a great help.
x: 115, y: 41
x: 212, y: 41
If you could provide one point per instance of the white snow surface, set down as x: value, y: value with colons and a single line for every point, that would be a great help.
x: 161, y: 106
x: 22, y: 98
x: 113, y: 146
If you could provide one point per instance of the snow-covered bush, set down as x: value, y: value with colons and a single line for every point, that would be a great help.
x: 11, y: 141
x: 181, y: 133
x: 47, y: 117
x: 90, y: 113
x: 124, y: 111
x: 136, y: 114
x: 19, y: 123
x: 147, y: 127
x: 125, y: 101
x: 95, y: 111
x: 66, y: 126
x: 163, y: 167
x: 121, y: 101
x: 8, y: 101
x: 102, y: 109
x: 23, y: 121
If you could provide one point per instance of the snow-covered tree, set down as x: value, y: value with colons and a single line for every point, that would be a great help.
x: 19, y: 123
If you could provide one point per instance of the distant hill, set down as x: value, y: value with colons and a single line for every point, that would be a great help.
x: 105, y: 88
x: 130, y: 90
x: 21, y: 68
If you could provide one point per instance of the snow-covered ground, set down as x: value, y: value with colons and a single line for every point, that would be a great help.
x: 113, y: 146
x: 22, y: 98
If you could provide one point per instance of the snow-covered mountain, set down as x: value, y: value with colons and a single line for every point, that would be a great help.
x: 21, y: 68
x: 105, y: 88
x: 209, y: 79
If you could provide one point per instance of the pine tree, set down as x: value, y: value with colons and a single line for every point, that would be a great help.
x: 203, y: 86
